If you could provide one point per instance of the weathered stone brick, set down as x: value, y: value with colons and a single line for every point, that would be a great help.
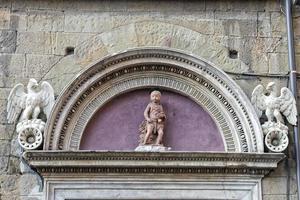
x: 154, y: 33
x: 120, y: 38
x: 278, y: 24
x: 15, y: 147
x: 137, y: 6
x: 296, y: 23
x: 90, y: 50
x: 264, y: 24
x: 8, y: 185
x: 45, y: 21
x: 254, y: 52
x: 31, y: 197
x: 38, y: 4
x: 274, y: 186
x: 297, y: 45
x: 243, y: 46
x: 236, y: 23
x: 194, y: 6
x: 5, y: 4
x: 36, y: 42
x: 275, y: 197
x: 297, y: 57
x: 4, y: 147
x: 12, y: 65
x: 59, y: 82
x: 10, y: 82
x: 6, y: 131
x: 18, y: 20
x: 256, y: 5
x: 28, y: 184
x: 8, y: 41
x: 285, y: 168
x: 10, y: 197
x: 202, y: 22
x: 3, y: 113
x: 4, y: 18
x: 14, y: 165
x: 278, y: 63
x: 38, y: 65
x: 3, y: 164
x: 183, y: 38
x: 293, y: 185
x: 64, y: 40
x: 87, y: 22
x: 4, y: 92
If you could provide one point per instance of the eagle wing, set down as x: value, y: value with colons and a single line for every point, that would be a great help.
x: 47, y: 97
x: 258, y: 99
x: 288, y: 105
x: 16, y: 102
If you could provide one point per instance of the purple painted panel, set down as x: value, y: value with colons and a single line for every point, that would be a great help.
x: 115, y: 126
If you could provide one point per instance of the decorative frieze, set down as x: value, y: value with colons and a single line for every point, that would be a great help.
x: 61, y: 162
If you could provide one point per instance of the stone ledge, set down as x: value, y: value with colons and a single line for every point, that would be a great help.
x: 64, y: 162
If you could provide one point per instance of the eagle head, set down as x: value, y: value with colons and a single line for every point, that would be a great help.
x: 272, y: 89
x: 33, y: 85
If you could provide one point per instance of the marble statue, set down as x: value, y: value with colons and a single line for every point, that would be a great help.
x: 275, y: 107
x: 152, y: 128
x: 39, y: 97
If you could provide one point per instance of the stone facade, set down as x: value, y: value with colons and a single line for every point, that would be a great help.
x: 54, y: 40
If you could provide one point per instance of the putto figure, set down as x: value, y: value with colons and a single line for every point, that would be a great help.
x: 38, y: 98
x: 155, y: 117
x: 274, y: 129
x: 152, y: 128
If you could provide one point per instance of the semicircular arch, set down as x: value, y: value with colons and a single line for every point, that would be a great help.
x: 141, y: 68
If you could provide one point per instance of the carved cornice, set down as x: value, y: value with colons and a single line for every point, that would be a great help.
x: 62, y: 162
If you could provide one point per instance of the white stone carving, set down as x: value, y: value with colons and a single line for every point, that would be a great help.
x: 30, y: 133
x: 275, y: 131
x: 152, y: 148
x: 39, y: 97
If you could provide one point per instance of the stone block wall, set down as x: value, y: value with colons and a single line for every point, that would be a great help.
x: 54, y: 39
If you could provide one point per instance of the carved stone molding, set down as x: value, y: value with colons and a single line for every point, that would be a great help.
x: 81, y: 162
x: 138, y: 175
x: 158, y: 187
x: 202, y: 82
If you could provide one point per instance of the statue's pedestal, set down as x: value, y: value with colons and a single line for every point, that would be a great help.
x: 152, y: 148
x: 276, y: 136
x: 30, y: 133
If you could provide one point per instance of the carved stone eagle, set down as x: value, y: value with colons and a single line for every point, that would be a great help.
x: 38, y: 97
x: 267, y: 100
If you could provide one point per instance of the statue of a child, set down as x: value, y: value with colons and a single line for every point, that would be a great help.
x: 155, y: 119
